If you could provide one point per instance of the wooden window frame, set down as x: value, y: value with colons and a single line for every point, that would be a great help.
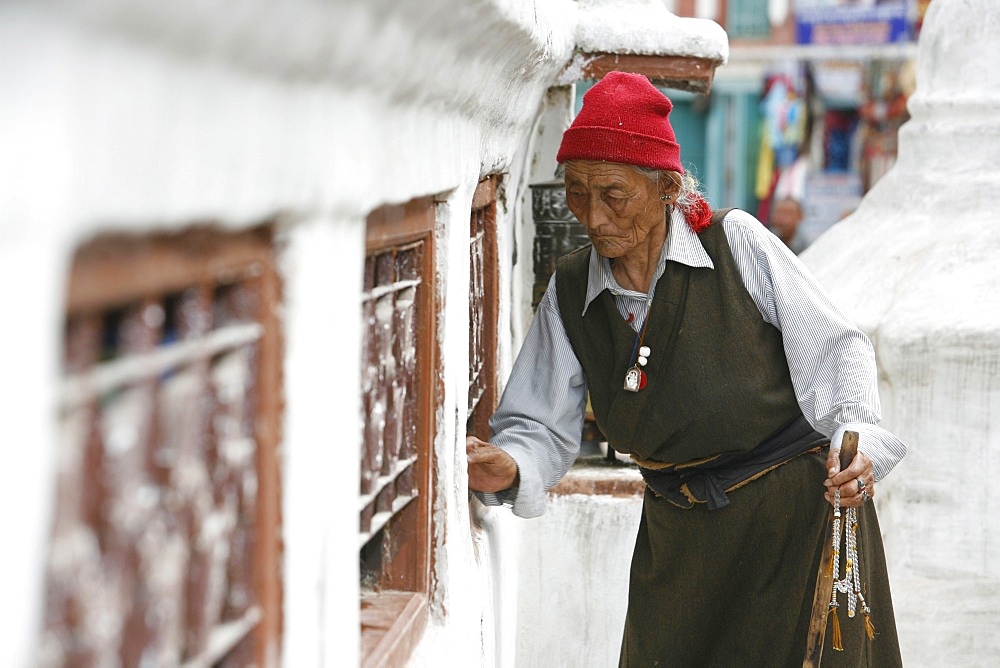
x: 484, y: 210
x: 118, y: 269
x: 394, y: 615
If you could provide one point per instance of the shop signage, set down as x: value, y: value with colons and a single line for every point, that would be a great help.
x: 857, y: 22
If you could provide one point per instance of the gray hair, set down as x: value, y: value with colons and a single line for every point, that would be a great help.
x: 690, y: 188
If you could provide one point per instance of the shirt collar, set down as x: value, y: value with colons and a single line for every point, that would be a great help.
x: 682, y: 245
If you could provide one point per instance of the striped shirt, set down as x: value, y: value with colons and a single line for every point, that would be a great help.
x: 540, y: 417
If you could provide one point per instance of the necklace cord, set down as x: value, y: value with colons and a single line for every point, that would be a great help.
x: 640, y: 335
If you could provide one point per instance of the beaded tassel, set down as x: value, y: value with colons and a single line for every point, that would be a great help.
x: 850, y: 584
x: 835, y: 566
x: 838, y: 643
x: 869, y: 627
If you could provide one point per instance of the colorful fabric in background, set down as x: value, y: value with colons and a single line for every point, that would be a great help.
x: 784, y: 134
x: 764, y: 179
x: 784, y: 121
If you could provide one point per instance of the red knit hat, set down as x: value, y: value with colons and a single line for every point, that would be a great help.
x: 623, y: 119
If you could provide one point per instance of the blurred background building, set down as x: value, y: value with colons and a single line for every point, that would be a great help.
x: 807, y: 107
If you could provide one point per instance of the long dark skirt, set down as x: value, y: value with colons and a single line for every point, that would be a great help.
x: 734, y: 586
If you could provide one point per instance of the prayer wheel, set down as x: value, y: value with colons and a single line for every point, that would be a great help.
x: 557, y: 231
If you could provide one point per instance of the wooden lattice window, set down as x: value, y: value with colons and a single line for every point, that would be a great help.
x: 400, y: 388
x: 165, y: 544
x: 482, y: 308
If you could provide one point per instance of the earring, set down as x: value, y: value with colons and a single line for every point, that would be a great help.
x: 665, y: 198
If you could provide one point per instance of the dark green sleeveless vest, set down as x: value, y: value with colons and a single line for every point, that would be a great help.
x: 717, y: 377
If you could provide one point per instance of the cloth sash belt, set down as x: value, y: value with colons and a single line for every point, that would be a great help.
x: 708, y: 481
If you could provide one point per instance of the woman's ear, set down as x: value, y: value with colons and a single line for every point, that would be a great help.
x: 670, y: 185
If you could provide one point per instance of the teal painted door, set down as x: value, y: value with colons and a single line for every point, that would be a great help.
x: 689, y: 120
x: 733, y: 147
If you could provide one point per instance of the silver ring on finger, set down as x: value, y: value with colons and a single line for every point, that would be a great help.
x: 864, y: 496
x: 861, y: 484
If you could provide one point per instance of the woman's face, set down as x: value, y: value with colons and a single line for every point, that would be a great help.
x: 618, y: 205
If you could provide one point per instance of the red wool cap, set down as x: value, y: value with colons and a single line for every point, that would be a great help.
x: 623, y: 119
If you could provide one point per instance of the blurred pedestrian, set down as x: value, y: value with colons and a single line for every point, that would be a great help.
x: 786, y: 217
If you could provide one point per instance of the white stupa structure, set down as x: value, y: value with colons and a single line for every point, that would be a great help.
x: 918, y: 268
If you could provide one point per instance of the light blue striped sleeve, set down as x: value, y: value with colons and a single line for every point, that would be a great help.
x: 539, y: 420
x: 831, y: 361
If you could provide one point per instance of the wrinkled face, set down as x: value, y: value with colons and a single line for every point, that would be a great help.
x: 618, y: 205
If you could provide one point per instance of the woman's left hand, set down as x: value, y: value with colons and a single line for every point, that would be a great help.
x: 490, y: 468
x: 856, y: 483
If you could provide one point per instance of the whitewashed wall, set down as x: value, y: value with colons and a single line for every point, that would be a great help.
x: 916, y: 266
x: 117, y: 115
x: 574, y: 563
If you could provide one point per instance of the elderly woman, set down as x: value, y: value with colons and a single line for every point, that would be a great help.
x: 715, y: 360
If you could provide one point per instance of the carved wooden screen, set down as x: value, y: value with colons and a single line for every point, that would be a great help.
x: 165, y: 538
x: 400, y: 387
x: 482, y: 308
x: 393, y: 281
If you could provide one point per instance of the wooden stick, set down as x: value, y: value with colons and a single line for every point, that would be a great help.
x: 825, y: 575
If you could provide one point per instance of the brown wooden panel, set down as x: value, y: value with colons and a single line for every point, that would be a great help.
x: 401, y: 383
x: 392, y: 623
x: 396, y: 224
x: 269, y: 407
x: 680, y: 72
x: 486, y: 192
x: 115, y: 269
x: 622, y: 482
x: 483, y: 307
x: 160, y: 470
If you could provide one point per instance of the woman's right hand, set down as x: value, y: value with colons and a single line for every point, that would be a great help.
x: 490, y: 468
